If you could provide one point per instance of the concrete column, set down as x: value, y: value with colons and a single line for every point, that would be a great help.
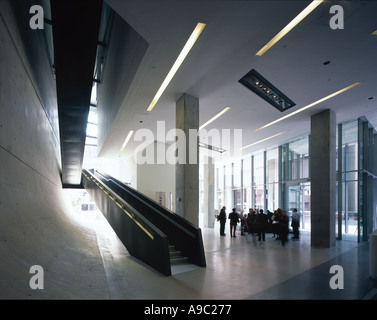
x: 323, y: 178
x: 187, y: 174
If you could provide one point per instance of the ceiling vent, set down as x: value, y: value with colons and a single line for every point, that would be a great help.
x: 263, y: 88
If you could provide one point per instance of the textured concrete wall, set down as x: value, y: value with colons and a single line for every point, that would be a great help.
x: 187, y: 175
x: 35, y: 226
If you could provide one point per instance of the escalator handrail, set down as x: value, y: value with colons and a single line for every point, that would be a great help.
x: 178, y: 218
x: 182, y: 228
x: 140, y: 218
x: 153, y: 248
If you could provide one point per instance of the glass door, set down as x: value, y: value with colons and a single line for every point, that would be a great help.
x: 305, y: 206
x: 298, y: 196
x: 293, y: 201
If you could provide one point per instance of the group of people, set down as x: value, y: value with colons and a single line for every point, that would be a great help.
x: 256, y: 222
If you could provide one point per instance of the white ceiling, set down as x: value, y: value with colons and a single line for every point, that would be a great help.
x: 225, y: 51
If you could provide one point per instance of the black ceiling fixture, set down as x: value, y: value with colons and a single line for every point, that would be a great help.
x: 263, y: 88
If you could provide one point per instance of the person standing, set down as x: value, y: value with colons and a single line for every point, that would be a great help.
x: 269, y: 215
x: 295, y: 224
x: 233, y: 217
x: 222, y: 219
x: 243, y: 223
x: 261, y: 222
x: 276, y: 223
x: 251, y: 221
x: 284, y: 222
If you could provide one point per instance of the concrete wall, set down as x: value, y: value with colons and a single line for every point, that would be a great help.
x: 152, y: 178
x: 124, y: 169
x: 35, y: 225
x: 126, y: 49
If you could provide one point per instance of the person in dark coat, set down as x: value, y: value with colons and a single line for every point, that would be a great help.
x: 234, y: 219
x: 222, y: 219
x: 276, y: 223
x: 283, y: 222
x: 251, y: 217
x: 295, y: 224
x: 243, y: 223
x: 261, y: 222
x: 269, y: 215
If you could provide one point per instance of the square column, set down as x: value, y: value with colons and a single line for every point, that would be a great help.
x: 323, y: 178
x: 187, y: 174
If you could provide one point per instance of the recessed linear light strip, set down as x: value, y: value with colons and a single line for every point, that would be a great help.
x: 214, y: 118
x: 290, y: 26
x: 126, y: 141
x: 310, y: 105
x: 186, y: 49
x: 253, y: 144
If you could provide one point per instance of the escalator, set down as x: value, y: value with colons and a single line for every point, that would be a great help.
x: 149, y: 231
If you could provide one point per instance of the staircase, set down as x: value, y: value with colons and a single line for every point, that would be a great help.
x: 176, y: 256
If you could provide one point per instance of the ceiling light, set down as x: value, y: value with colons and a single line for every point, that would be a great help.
x: 374, y: 33
x: 290, y: 26
x: 253, y: 144
x: 126, y: 141
x: 310, y: 105
x: 266, y: 90
x: 214, y: 118
x: 209, y: 147
x: 186, y: 49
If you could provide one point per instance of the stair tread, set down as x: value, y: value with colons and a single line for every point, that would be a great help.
x: 176, y: 256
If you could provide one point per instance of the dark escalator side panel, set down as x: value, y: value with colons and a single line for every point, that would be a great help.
x: 141, y: 238
x: 184, y: 235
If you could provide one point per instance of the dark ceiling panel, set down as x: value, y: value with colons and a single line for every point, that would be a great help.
x: 76, y: 26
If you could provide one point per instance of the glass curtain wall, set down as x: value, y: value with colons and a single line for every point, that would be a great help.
x: 220, y: 187
x: 298, y: 159
x: 228, y: 187
x: 258, y: 181
x: 347, y: 182
x: 367, y: 176
x: 272, y: 179
x: 246, y: 184
x: 269, y: 179
x: 356, y: 180
x: 237, y: 184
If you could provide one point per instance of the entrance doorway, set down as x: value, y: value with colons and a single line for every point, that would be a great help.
x: 298, y: 196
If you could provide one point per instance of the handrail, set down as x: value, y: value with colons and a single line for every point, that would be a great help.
x: 173, y: 215
x: 152, y: 245
x: 183, y: 234
x: 134, y: 215
x: 120, y: 185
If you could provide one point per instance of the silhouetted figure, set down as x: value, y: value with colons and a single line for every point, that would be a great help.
x: 233, y: 217
x: 222, y: 219
x: 284, y: 221
x: 261, y: 223
x: 251, y: 217
x: 276, y: 223
x: 243, y: 223
x: 269, y: 215
x: 295, y: 224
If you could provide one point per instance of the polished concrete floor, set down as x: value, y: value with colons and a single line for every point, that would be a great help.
x: 240, y: 268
